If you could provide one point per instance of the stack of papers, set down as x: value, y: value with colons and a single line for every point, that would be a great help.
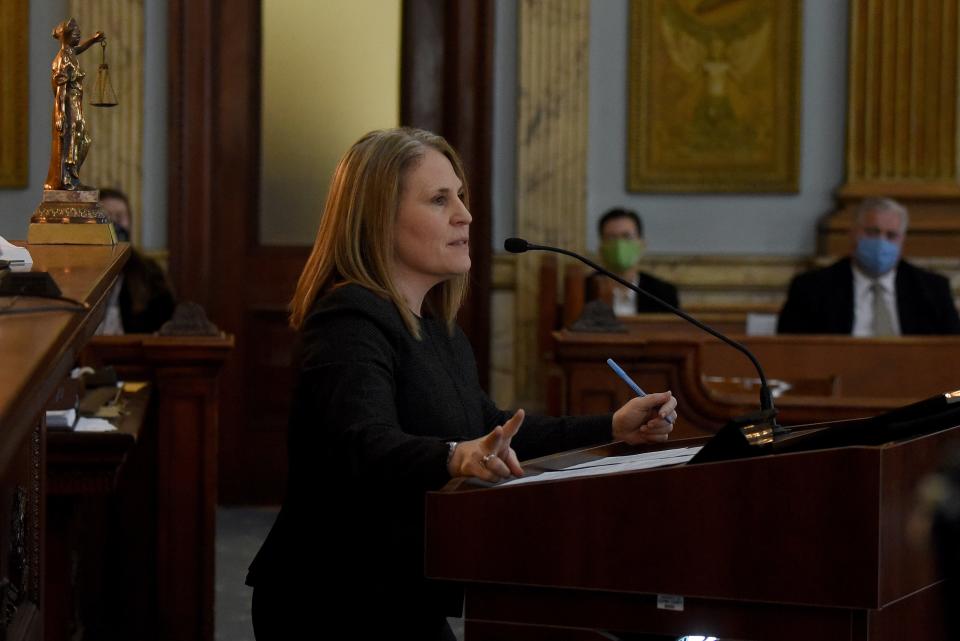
x: 61, y: 419
x: 94, y: 425
x: 19, y: 257
x: 613, y: 464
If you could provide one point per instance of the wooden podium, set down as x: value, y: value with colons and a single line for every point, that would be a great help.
x: 806, y: 545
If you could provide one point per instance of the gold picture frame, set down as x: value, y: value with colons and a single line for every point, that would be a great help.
x: 714, y: 100
x: 14, y: 108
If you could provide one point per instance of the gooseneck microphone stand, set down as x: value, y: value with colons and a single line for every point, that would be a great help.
x: 757, y: 428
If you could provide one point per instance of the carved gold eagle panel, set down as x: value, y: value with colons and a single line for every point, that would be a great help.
x: 714, y: 95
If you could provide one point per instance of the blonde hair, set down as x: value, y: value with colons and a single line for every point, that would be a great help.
x: 355, y: 240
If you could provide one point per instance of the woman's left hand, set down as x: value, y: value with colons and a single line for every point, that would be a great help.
x: 647, y: 419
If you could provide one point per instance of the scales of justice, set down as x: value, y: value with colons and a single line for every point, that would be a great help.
x: 70, y: 212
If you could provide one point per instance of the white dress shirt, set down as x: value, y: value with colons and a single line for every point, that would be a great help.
x: 863, y: 301
x: 624, y: 301
x: 112, y: 323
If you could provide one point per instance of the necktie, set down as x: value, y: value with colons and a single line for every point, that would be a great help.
x: 882, y: 323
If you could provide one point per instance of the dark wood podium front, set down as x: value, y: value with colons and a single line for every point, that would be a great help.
x: 807, y: 545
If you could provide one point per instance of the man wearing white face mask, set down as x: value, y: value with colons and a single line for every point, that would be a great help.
x: 621, y: 247
x: 873, y: 292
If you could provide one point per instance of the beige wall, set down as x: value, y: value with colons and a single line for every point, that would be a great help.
x: 331, y: 72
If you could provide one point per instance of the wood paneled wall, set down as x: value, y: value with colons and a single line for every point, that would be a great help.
x: 446, y: 86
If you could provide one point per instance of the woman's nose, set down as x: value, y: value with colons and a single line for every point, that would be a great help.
x: 462, y: 216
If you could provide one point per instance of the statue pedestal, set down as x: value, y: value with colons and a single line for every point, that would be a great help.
x: 70, y: 218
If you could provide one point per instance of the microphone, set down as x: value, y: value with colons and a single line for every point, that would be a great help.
x: 768, y: 412
x: 518, y: 245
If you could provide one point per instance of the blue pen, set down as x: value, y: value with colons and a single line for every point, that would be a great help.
x: 626, y: 379
x: 629, y: 381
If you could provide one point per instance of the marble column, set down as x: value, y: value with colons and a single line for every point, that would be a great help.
x: 115, y: 157
x: 553, y: 78
x: 902, y: 120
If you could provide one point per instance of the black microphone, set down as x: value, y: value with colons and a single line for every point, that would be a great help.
x: 519, y: 246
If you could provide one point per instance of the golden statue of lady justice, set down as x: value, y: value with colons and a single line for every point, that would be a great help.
x: 70, y: 140
x: 70, y: 211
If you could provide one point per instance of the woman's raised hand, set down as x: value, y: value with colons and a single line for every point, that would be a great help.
x: 489, y: 457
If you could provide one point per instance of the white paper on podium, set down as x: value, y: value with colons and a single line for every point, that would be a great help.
x: 18, y: 256
x: 612, y: 465
x: 85, y: 424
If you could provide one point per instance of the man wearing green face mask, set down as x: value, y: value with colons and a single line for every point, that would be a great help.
x: 621, y: 247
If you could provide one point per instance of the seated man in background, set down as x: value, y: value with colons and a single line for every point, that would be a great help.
x: 621, y: 247
x: 144, y: 300
x: 872, y: 292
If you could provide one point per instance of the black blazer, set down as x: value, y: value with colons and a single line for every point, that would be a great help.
x: 373, y: 409
x: 146, y: 301
x: 656, y: 286
x: 821, y: 302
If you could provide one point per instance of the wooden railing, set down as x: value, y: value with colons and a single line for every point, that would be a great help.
x: 844, y: 377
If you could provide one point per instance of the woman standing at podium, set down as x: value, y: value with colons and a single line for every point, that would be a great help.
x: 387, y: 403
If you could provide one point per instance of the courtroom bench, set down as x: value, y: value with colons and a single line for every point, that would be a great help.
x: 160, y: 576
x: 866, y: 375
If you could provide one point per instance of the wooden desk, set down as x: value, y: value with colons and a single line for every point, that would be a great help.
x: 165, y: 506
x: 807, y: 545
x: 734, y: 322
x: 36, y: 351
x: 872, y: 375
x: 88, y: 463
x: 83, y: 472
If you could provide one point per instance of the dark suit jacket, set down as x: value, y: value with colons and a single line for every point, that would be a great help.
x: 821, y: 302
x: 659, y: 288
x: 146, y: 301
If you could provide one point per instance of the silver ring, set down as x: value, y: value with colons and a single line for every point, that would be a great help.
x: 486, y: 458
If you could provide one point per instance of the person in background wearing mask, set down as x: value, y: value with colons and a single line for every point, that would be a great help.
x: 144, y: 300
x: 872, y: 292
x: 621, y: 247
